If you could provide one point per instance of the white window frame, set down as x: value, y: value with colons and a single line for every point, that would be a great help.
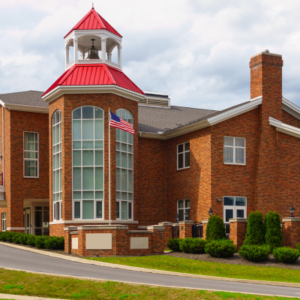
x: 31, y: 159
x: 3, y: 221
x: 59, y: 154
x: 94, y: 190
x: 234, y: 147
x: 184, y: 151
x: 234, y: 207
x: 184, y: 208
x: 119, y: 201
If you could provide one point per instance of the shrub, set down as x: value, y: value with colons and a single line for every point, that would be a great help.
x: 54, y: 243
x: 215, y: 229
x: 23, y: 238
x: 2, y: 236
x: 298, y: 247
x: 16, y: 238
x: 255, y: 229
x: 222, y: 248
x: 31, y: 240
x: 286, y: 255
x: 255, y: 253
x: 40, y: 241
x: 173, y: 244
x: 274, y: 235
x: 9, y: 236
x: 192, y: 245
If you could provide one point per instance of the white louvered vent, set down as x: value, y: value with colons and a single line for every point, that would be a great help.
x: 164, y: 103
x: 155, y: 99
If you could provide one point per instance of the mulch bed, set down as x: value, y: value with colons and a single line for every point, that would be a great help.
x: 236, y: 259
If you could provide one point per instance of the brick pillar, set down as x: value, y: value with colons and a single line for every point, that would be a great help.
x: 68, y: 238
x: 238, y: 229
x: 185, y: 229
x: 167, y: 232
x: 291, y: 232
x: 158, y: 241
x: 204, y: 222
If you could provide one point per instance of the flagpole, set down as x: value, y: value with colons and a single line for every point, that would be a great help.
x: 109, y: 176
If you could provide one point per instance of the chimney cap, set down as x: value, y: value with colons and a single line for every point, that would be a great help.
x: 266, y: 51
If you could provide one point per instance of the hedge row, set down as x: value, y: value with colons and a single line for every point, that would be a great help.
x: 41, y: 242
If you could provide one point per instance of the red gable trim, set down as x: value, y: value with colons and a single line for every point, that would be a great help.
x: 93, y: 21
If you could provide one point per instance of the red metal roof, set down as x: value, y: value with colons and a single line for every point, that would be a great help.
x: 93, y: 20
x: 96, y: 74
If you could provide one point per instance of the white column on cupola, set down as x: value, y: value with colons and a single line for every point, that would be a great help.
x: 109, y: 56
x: 67, y: 55
x: 120, y: 55
x: 103, y: 49
x: 76, y: 50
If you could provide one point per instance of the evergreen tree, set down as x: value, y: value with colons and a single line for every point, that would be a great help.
x: 274, y: 235
x: 255, y: 229
x: 215, y: 229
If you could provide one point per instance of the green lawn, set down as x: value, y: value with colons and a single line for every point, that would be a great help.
x: 21, y: 283
x: 184, y: 265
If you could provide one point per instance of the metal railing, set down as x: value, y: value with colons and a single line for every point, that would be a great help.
x: 175, y: 232
x: 197, y: 230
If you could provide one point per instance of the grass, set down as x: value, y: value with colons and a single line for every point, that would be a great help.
x: 21, y: 283
x: 184, y: 265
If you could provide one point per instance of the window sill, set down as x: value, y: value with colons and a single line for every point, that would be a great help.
x: 31, y: 177
x: 229, y: 164
x: 187, y: 168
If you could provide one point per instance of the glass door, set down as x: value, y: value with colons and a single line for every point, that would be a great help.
x: 27, y: 220
x: 41, y: 220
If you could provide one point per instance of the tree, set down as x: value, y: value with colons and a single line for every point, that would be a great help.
x: 255, y: 229
x: 215, y: 229
x: 274, y: 235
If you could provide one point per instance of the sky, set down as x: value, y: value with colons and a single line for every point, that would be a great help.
x: 195, y: 51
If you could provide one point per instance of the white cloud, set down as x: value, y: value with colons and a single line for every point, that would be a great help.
x: 197, y: 51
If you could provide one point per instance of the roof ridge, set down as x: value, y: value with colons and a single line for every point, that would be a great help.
x: 109, y: 73
x: 99, y: 18
x: 22, y: 92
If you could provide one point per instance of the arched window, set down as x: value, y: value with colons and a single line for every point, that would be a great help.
x: 56, y: 165
x: 124, y: 164
x: 88, y: 151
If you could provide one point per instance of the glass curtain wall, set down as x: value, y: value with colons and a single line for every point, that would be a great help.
x: 57, y: 165
x: 124, y: 162
x: 88, y: 165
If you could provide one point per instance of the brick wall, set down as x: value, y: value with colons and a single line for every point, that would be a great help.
x: 18, y: 188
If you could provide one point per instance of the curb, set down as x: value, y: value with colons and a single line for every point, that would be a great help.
x: 19, y: 297
x: 145, y: 270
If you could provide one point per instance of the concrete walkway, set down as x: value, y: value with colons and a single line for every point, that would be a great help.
x: 61, y: 265
x: 17, y: 297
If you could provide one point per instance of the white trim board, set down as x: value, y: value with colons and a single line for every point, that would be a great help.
x: 28, y: 108
x: 285, y: 128
x: 92, y: 89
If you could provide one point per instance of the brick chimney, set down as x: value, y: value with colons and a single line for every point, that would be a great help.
x: 266, y: 81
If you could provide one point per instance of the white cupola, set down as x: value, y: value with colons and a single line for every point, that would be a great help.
x: 93, y: 39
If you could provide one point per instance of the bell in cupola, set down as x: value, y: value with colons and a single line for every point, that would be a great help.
x: 93, y: 52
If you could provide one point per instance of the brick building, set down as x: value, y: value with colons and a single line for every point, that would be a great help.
x: 57, y: 170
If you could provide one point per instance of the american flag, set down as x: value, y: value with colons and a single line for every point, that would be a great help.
x: 117, y: 122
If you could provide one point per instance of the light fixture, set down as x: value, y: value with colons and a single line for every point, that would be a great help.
x: 292, y: 211
x: 210, y: 212
x: 93, y: 52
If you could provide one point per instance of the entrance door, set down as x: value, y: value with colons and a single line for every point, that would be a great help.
x: 27, y: 220
x: 41, y: 220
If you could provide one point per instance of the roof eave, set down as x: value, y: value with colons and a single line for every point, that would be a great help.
x: 27, y: 108
x: 92, y: 89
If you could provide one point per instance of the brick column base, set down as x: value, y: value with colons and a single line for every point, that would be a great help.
x: 158, y: 240
x: 238, y: 230
x: 291, y: 232
x: 185, y: 229
x: 204, y: 222
x: 167, y: 232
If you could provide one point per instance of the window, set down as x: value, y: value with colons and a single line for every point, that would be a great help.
x: 31, y: 154
x: 183, y: 156
x: 234, y: 207
x: 183, y: 209
x: 56, y: 165
x: 88, y: 165
x: 234, y: 150
x: 3, y: 221
x: 124, y: 162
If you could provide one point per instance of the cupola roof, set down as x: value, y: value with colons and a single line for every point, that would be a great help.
x: 94, y: 75
x: 93, y: 21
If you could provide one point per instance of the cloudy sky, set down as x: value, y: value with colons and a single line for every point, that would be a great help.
x: 196, y: 51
